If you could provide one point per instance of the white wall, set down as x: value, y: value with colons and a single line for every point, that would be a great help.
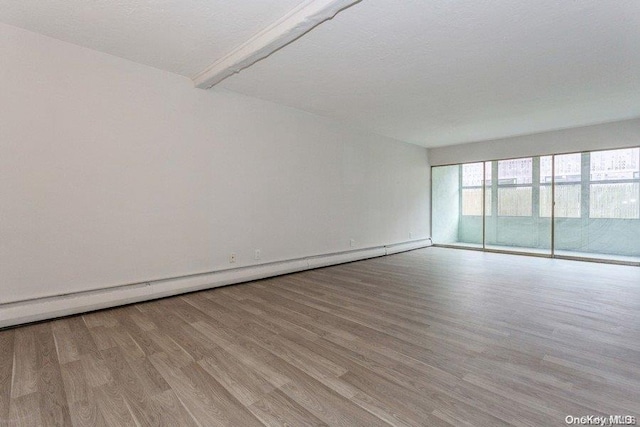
x: 114, y: 173
x: 597, y: 137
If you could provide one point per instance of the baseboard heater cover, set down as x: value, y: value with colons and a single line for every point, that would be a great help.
x: 407, y: 246
x: 12, y: 314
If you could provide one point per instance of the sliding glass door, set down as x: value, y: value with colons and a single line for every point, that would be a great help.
x: 457, y: 205
x: 584, y: 205
x: 597, y: 212
x: 566, y: 188
x: 471, y: 202
x: 445, y: 204
x: 516, y: 224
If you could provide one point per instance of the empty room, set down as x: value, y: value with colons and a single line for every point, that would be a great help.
x: 319, y: 212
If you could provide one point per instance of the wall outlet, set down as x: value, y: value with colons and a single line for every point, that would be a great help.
x: 352, y: 243
x: 232, y: 257
x: 257, y: 254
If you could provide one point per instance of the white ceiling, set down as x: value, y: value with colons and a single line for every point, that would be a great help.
x: 445, y: 72
x: 427, y: 72
x: 181, y: 36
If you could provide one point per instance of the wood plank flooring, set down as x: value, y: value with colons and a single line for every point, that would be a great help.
x: 433, y: 337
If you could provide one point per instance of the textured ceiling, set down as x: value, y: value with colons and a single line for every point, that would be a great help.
x: 427, y: 72
x: 445, y: 72
x: 181, y: 36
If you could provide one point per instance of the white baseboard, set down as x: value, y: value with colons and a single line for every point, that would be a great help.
x: 51, y: 307
x: 407, y: 246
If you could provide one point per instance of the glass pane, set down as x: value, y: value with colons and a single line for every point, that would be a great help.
x: 472, y: 201
x: 488, y: 194
x: 515, y: 171
x: 457, y: 211
x: 568, y: 168
x: 514, y: 228
x: 514, y: 201
x: 470, y: 225
x: 487, y: 202
x: 615, y: 164
x: 609, y: 227
x: 614, y: 200
x: 445, y: 184
x: 472, y: 174
x: 542, y: 206
x: 545, y: 201
x: 568, y: 199
x: 546, y: 170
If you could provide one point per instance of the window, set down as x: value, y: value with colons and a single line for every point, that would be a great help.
x: 568, y: 191
x: 515, y: 180
x: 472, y: 184
x: 594, y: 198
x: 614, y: 189
x: 615, y: 165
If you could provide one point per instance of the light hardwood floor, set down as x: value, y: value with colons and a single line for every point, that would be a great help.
x: 430, y: 337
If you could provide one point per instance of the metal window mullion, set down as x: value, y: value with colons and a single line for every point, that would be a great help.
x: 484, y: 203
x: 460, y: 205
x: 585, y: 204
x: 553, y: 206
x: 494, y: 196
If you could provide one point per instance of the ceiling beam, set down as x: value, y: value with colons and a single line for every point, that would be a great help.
x: 290, y: 27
